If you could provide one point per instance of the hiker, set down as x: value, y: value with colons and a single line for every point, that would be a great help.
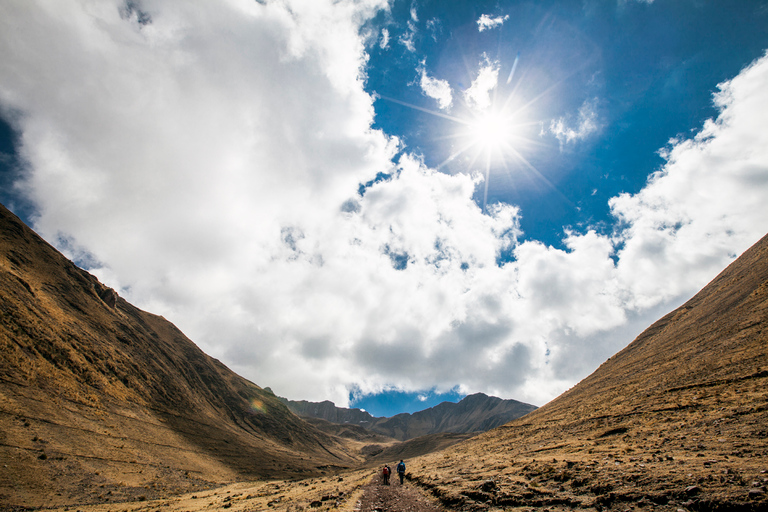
x: 385, y: 474
x: 401, y: 471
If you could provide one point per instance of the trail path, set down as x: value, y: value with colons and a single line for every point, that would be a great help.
x: 394, y: 497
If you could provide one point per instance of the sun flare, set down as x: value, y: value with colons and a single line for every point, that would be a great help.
x: 491, y: 130
x: 492, y: 134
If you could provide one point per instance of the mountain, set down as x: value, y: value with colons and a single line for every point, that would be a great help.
x: 678, y: 420
x: 328, y: 411
x: 102, y: 402
x: 474, y: 413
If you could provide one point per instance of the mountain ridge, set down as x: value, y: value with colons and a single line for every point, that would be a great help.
x: 101, y: 402
x: 474, y: 413
x: 674, y: 421
x: 95, y: 390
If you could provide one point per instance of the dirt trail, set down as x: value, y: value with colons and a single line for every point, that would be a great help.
x: 395, y: 497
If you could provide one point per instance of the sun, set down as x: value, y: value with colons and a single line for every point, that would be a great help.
x: 490, y: 131
x: 493, y: 133
x: 494, y: 139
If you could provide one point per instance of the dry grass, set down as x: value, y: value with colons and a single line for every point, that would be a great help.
x: 104, y: 407
x: 677, y: 420
x: 328, y: 493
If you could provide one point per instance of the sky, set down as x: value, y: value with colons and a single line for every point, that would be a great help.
x: 388, y: 204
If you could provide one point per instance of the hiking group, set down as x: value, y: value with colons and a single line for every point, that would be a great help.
x: 385, y: 472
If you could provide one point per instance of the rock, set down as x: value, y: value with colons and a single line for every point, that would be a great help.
x: 488, y: 486
x: 692, y: 489
x: 109, y: 296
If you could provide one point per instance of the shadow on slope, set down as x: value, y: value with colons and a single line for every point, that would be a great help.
x: 377, y: 448
x: 100, y: 401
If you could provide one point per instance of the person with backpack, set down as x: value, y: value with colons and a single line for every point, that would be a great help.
x: 385, y: 474
x: 401, y: 471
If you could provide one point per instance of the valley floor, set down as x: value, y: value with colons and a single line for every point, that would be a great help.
x: 359, y: 491
x: 541, y: 486
x: 338, y: 492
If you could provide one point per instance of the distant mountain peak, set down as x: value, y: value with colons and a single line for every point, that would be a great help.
x: 477, y: 412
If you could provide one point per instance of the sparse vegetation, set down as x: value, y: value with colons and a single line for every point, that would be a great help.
x: 110, y: 408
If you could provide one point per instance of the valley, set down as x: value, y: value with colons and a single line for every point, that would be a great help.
x: 104, y: 407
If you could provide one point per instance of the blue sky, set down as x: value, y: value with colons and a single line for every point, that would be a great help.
x: 388, y: 203
x: 645, y: 70
x: 390, y: 403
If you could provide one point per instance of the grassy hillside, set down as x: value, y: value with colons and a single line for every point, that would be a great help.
x: 676, y: 420
x: 103, y: 403
x: 100, y: 400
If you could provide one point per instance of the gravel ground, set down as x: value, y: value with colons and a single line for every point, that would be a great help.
x: 394, y: 497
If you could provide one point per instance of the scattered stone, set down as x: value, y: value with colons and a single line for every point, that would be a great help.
x: 692, y: 489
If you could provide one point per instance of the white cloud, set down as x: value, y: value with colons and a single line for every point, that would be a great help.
x: 435, y: 28
x: 178, y: 152
x: 407, y: 39
x: 210, y: 160
x: 586, y: 124
x: 478, y: 95
x: 436, y: 89
x: 707, y: 202
x: 485, y: 22
x: 384, y: 43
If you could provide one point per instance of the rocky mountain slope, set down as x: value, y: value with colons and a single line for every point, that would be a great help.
x: 103, y: 403
x: 678, y: 420
x: 474, y: 413
x: 100, y: 401
x: 327, y: 410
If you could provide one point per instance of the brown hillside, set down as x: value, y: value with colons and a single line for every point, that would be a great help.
x: 102, y: 402
x: 678, y: 420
